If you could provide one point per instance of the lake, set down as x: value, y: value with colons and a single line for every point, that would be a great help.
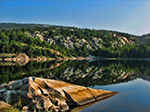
x: 133, y: 96
x: 129, y: 78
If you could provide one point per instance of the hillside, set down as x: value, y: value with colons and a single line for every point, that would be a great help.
x: 145, y: 38
x: 17, y: 25
x: 69, y: 41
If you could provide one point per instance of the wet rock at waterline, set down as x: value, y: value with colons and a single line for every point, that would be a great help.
x: 34, y: 93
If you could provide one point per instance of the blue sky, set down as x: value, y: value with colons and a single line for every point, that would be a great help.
x: 130, y: 16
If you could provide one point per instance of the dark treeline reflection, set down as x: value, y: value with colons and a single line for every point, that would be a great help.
x: 79, y: 72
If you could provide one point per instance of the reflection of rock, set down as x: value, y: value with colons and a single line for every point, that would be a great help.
x: 7, y: 64
x: 22, y: 59
x: 93, y: 75
x: 38, y: 93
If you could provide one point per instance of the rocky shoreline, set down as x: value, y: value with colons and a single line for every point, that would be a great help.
x: 23, y: 59
x: 34, y: 94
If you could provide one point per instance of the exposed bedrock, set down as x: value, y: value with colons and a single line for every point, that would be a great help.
x: 47, y: 94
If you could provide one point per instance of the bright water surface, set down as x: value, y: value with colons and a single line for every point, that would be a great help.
x: 129, y: 78
x: 133, y: 96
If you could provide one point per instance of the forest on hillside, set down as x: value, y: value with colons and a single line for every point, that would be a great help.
x: 17, y: 40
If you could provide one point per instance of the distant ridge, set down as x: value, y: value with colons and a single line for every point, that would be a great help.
x: 145, y: 36
x: 21, y: 25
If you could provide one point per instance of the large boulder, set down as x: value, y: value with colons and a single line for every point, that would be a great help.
x: 46, y: 94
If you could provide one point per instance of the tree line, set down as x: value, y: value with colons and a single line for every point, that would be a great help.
x: 11, y: 42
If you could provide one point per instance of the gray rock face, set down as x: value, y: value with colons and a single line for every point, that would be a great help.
x: 74, y: 43
x: 36, y: 35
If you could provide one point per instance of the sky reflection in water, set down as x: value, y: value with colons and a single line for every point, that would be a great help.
x: 133, y: 96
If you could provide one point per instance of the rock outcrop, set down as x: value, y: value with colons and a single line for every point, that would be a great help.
x: 45, y: 94
x: 75, y: 43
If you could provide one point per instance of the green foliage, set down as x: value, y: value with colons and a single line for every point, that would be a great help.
x: 10, y: 42
x: 19, y: 104
x: 8, y: 109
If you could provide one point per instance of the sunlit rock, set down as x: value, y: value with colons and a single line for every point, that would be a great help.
x: 46, y: 94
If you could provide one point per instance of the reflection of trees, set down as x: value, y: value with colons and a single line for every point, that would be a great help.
x: 96, y: 73
x: 9, y: 73
x: 78, y: 72
x: 102, y: 72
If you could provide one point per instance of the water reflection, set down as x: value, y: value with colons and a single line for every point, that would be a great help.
x: 133, y: 96
x: 80, y: 72
x: 104, y: 74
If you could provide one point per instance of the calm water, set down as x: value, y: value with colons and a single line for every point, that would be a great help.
x: 133, y: 96
x: 129, y: 78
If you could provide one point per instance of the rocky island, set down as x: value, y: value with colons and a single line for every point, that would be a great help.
x: 34, y: 94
